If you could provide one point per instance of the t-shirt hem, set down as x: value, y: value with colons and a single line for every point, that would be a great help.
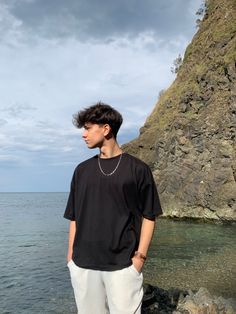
x: 152, y: 217
x: 103, y: 267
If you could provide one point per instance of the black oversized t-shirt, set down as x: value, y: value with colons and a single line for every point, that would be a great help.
x: 108, y: 210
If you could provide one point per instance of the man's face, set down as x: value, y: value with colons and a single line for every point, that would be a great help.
x: 94, y: 134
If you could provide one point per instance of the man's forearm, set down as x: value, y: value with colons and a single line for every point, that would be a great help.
x: 147, y: 230
x: 72, y: 230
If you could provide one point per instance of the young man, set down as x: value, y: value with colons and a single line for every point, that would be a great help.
x: 112, y: 206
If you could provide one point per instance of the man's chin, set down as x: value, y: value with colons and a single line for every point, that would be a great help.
x: 90, y: 146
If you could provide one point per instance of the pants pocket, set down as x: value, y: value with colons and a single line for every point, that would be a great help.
x: 135, y: 271
x: 69, y: 263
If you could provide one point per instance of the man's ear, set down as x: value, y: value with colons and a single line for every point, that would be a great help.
x: 107, y: 129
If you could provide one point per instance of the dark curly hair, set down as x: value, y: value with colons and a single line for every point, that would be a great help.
x: 99, y: 113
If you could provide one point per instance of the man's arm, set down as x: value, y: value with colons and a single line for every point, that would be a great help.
x: 147, y: 230
x: 72, y: 230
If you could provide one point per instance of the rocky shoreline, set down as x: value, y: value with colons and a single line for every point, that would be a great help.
x: 176, y: 301
x: 167, y: 216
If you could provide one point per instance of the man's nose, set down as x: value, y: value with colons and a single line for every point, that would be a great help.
x: 84, y: 134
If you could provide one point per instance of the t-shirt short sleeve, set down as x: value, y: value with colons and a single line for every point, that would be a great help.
x: 150, y: 205
x: 70, y: 207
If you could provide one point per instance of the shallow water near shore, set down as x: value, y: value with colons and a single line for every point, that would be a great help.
x: 190, y: 255
x: 33, y: 243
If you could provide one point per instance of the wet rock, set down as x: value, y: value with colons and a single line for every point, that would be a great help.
x: 157, y: 300
x: 202, y: 302
x: 176, y: 301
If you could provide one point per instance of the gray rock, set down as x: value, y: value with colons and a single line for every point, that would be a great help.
x: 157, y: 300
x: 202, y: 302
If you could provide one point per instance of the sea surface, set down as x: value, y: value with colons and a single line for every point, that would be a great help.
x: 33, y: 242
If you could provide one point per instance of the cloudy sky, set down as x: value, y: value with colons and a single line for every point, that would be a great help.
x: 59, y: 56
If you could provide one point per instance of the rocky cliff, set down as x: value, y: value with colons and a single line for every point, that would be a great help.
x: 189, y: 138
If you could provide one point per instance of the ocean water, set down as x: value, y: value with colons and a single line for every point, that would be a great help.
x: 33, y: 242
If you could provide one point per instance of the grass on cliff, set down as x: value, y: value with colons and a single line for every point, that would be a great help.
x: 202, y: 60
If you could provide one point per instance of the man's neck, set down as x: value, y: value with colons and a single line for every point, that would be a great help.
x: 109, y: 151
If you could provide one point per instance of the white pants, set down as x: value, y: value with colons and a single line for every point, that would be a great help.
x: 103, y: 292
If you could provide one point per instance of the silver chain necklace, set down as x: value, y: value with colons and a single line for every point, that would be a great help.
x: 111, y: 173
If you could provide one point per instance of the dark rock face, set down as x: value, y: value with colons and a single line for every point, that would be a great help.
x: 157, y: 300
x: 189, y: 140
x: 160, y: 301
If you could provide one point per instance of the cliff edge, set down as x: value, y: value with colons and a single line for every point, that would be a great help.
x: 189, y: 138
